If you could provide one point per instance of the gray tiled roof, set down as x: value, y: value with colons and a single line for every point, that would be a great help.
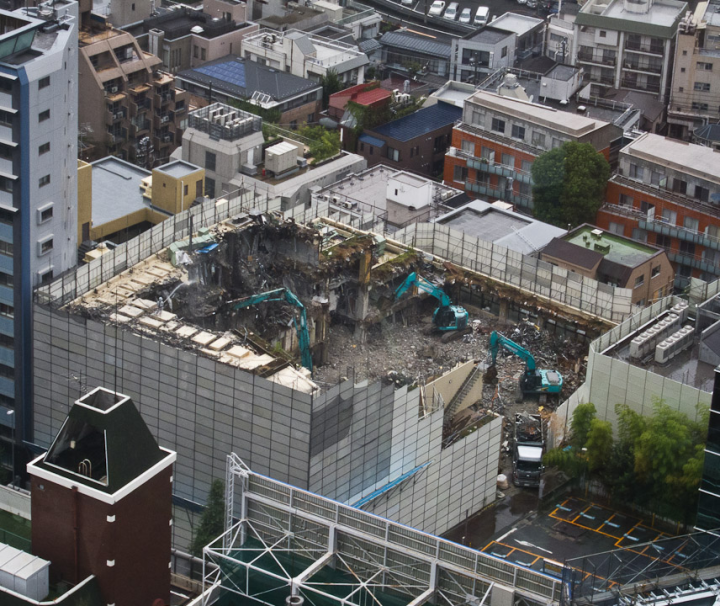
x: 415, y: 43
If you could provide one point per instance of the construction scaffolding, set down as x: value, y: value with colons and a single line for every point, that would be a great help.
x: 281, y: 541
x: 633, y: 573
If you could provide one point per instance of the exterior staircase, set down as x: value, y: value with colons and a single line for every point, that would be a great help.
x: 459, y: 397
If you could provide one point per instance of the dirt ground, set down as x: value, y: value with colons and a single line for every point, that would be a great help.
x: 408, y: 352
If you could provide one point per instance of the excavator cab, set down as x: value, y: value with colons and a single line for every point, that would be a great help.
x: 450, y: 317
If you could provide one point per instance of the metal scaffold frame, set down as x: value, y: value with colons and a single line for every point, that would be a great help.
x: 283, y: 541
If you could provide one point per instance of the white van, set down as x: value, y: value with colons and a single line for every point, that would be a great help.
x: 481, y: 16
x: 451, y: 12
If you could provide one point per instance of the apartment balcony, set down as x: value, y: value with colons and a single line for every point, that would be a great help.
x: 696, y: 262
x: 636, y: 66
x: 116, y: 138
x: 635, y: 85
x: 605, y: 80
x: 115, y: 115
x: 508, y: 195
x: 588, y: 56
x: 491, y: 167
x: 648, y: 49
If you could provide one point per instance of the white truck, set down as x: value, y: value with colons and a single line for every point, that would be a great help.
x: 528, y: 450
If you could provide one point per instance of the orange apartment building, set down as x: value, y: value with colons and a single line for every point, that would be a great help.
x: 494, y: 146
x: 667, y: 193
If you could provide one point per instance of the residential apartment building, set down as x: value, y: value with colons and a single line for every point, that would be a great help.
x: 614, y: 260
x: 494, y: 146
x: 627, y: 44
x: 402, y: 49
x: 38, y: 184
x: 480, y: 53
x: 305, y: 55
x: 695, y: 94
x: 417, y: 142
x: 666, y: 192
x: 232, y: 79
x: 185, y: 38
x: 131, y: 108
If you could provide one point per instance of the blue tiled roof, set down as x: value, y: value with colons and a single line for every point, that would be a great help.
x: 421, y: 122
x: 371, y: 140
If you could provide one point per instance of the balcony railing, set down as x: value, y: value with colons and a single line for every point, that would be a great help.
x: 651, y: 88
x: 654, y: 49
x: 609, y: 80
x: 491, y: 167
x: 483, y: 188
x: 589, y: 56
x: 637, y: 66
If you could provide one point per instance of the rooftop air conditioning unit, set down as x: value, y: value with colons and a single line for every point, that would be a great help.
x: 302, y: 162
x: 167, y: 138
x: 113, y: 89
x: 165, y: 119
x: 118, y: 115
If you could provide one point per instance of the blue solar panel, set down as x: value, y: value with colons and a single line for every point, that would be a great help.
x: 232, y: 72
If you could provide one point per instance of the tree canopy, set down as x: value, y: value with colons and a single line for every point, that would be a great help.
x: 655, y: 461
x: 331, y: 84
x: 212, y: 522
x: 569, y: 184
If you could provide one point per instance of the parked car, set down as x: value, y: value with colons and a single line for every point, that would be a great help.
x: 481, y: 16
x: 465, y: 15
x: 406, y: 2
x: 437, y: 8
x: 451, y: 12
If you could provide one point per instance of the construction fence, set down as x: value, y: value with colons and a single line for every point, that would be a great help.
x: 520, y: 271
x: 84, y: 278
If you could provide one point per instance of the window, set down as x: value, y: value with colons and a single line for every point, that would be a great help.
x: 393, y: 154
x: 42, y: 116
x: 44, y: 82
x: 46, y: 277
x: 293, y: 125
x: 702, y: 86
x: 655, y: 271
x: 705, y: 66
x: 556, y: 142
x: 538, y: 139
x: 682, y: 70
x: 362, y: 146
x: 691, y: 223
x: 196, y: 51
x: 466, y: 146
x: 702, y: 193
x: 508, y: 160
x: 45, y: 246
x: 639, y: 234
x: 477, y: 117
x: 518, y: 132
x: 186, y: 189
x: 527, y: 165
x: 639, y: 281
x: 616, y: 228
x: 6, y: 184
x: 43, y: 181
x: 6, y: 118
x: 6, y: 248
x: 645, y: 206
x: 6, y: 152
x: 311, y: 118
x: 202, y: 54
x: 498, y: 125
x: 503, y: 52
x: 7, y: 310
x: 656, y: 178
x: 625, y: 200
x: 372, y: 150
x: 209, y: 187
x: 602, y: 34
x: 5, y: 85
x: 7, y: 340
x: 210, y: 159
x: 7, y: 371
x: 636, y: 172
x: 663, y: 241
x: 44, y: 148
x: 669, y: 216
x: 460, y: 174
x: 679, y: 186
x: 440, y: 144
x: 684, y: 53
x: 703, y: 107
x: 6, y: 280
x: 487, y: 154
x: 45, y: 214
x: 132, y: 6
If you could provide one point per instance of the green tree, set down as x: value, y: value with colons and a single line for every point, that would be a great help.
x: 599, y: 446
x: 212, y: 522
x: 331, y: 84
x: 268, y: 115
x: 323, y: 144
x: 569, y: 184
x: 580, y: 425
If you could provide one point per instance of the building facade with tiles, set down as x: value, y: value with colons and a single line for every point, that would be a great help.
x: 666, y: 192
x: 495, y: 145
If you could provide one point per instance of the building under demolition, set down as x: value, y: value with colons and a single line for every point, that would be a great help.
x: 204, y: 335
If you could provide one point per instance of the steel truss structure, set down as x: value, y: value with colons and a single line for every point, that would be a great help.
x: 281, y: 541
x: 629, y: 573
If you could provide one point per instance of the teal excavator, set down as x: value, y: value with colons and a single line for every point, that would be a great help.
x: 445, y: 317
x: 283, y: 294
x: 533, y: 381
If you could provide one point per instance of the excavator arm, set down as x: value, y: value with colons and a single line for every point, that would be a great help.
x: 283, y: 294
x: 496, y: 341
x: 413, y: 280
x: 447, y: 316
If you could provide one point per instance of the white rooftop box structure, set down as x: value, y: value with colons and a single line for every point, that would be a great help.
x: 24, y: 573
x: 281, y: 157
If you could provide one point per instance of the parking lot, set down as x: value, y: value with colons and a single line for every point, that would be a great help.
x: 576, y: 528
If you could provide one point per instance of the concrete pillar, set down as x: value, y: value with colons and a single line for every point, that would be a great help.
x: 504, y: 309
x: 620, y: 59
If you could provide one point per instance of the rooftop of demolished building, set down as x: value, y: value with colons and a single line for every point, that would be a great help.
x: 186, y: 295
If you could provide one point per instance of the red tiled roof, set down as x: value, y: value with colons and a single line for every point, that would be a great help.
x: 372, y: 96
